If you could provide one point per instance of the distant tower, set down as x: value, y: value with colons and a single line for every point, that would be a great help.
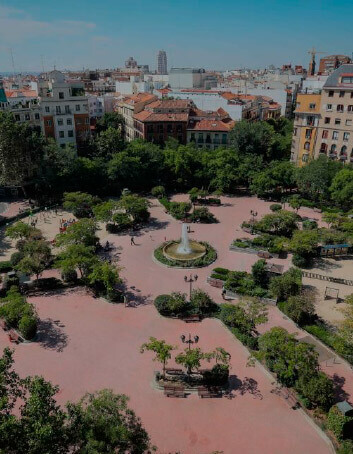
x: 162, y: 62
x: 3, y: 99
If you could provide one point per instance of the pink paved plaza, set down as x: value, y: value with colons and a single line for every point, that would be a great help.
x: 87, y: 344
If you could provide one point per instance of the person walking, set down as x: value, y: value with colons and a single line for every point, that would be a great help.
x: 132, y: 241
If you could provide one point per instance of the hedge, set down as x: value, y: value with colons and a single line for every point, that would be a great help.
x: 5, y: 266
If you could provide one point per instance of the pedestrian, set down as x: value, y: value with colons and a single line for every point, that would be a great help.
x: 132, y: 241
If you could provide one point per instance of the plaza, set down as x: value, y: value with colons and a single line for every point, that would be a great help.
x: 85, y: 344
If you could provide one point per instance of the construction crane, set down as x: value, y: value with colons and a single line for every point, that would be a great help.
x: 313, y: 52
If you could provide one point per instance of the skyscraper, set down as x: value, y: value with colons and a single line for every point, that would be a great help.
x: 162, y: 62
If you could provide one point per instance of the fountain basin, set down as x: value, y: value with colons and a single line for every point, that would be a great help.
x: 172, y: 251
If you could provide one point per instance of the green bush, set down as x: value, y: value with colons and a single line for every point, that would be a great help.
x: 246, y: 339
x: 202, y: 215
x: 28, y: 326
x: 223, y: 271
x: 179, y: 210
x: 217, y: 376
x: 301, y: 261
x: 69, y: 276
x: 309, y: 225
x: 158, y: 191
x: 275, y: 207
x: 6, y: 266
x: 202, y: 302
x: 286, y: 285
x: 15, y: 307
x: 174, y: 304
x: 241, y: 244
x: 338, y: 423
x: 16, y: 257
x: 346, y: 447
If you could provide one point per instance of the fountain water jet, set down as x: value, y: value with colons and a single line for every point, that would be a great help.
x: 184, y: 246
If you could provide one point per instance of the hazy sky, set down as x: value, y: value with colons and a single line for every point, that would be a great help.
x: 211, y: 34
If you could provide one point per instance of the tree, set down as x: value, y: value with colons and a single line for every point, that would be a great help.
x: 21, y: 230
x: 202, y: 301
x: 21, y: 151
x: 161, y: 349
x: 36, y: 257
x: 314, y: 179
x: 341, y: 188
x: 304, y: 243
x: 135, y: 206
x: 346, y: 326
x: 318, y: 389
x: 300, y: 308
x: 104, y: 276
x: 81, y: 232
x: 191, y: 359
x: 173, y: 304
x: 277, y: 177
x: 221, y: 356
x: 80, y: 203
x: 109, y: 142
x: 286, y: 285
x: 295, y: 202
x: 110, y: 120
x: 76, y: 256
x: 282, y: 223
x: 259, y: 273
x: 252, y: 138
x: 256, y: 311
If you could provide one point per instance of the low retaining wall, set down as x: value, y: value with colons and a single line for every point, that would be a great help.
x: 321, y: 277
x: 250, y: 250
x: 233, y: 295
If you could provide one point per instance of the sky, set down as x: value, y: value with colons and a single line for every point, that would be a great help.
x: 227, y: 34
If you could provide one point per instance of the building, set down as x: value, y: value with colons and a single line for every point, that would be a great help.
x: 163, y: 119
x: 335, y: 133
x: 187, y: 77
x: 162, y: 62
x: 128, y: 107
x: 306, y: 121
x: 332, y: 62
x: 3, y: 100
x: 323, y: 121
x: 64, y: 109
x: 130, y: 63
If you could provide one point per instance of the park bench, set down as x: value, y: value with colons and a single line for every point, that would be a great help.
x: 203, y: 371
x: 172, y: 371
x: 173, y: 391
x: 264, y: 254
x: 3, y: 324
x: 14, y: 337
x: 209, y: 392
x: 192, y: 318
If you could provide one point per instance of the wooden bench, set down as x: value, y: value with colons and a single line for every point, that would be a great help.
x: 209, y: 392
x: 3, y: 324
x: 14, y: 337
x: 173, y: 391
x: 171, y: 371
x: 192, y: 318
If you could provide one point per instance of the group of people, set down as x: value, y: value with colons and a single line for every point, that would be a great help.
x: 65, y: 223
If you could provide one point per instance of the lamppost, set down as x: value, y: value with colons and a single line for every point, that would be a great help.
x: 190, y: 281
x: 253, y: 214
x: 189, y: 341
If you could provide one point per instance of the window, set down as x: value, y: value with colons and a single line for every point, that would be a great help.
x: 200, y: 138
x: 87, y: 121
x: 335, y: 135
x: 61, y: 95
x: 347, y: 80
x: 17, y: 117
x: 307, y: 146
x: 192, y: 137
x: 69, y: 121
x: 179, y: 128
x: 298, y: 105
x: 310, y: 121
x: 67, y: 109
x: 346, y: 136
x: 333, y: 148
x: 350, y: 108
x: 208, y: 138
x: 305, y: 157
x: 224, y: 138
x: 341, y: 94
x: 323, y: 148
x: 348, y: 122
x: 160, y: 128
x: 78, y: 107
x: 325, y: 134
x: 330, y: 94
x: 37, y: 116
x: 340, y: 108
x: 351, y: 94
x: 337, y: 121
x: 47, y: 109
x: 149, y: 128
x: 58, y: 109
x: 170, y: 128
x: 312, y: 106
x: 308, y: 133
x: 61, y: 134
x: 27, y: 117
x: 328, y: 107
x: 60, y: 122
x: 48, y: 123
x: 343, y: 151
x: 70, y: 133
x: 327, y: 120
x: 294, y: 131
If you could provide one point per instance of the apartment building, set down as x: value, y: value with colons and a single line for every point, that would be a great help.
x: 306, y: 122
x: 332, y: 62
x: 64, y: 107
x: 324, y: 121
x: 335, y: 135
x: 130, y: 106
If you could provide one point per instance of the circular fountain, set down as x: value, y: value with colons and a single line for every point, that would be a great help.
x: 185, y: 252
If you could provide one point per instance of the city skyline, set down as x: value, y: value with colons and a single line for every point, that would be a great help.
x: 192, y: 33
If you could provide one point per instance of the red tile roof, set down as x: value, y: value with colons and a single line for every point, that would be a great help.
x: 146, y: 116
x: 211, y: 125
x: 21, y: 93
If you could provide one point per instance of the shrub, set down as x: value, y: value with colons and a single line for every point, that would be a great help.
x: 172, y: 305
x: 217, y: 376
x: 346, y: 447
x: 80, y: 203
x: 158, y: 191
x: 259, y: 273
x: 11, y: 281
x: 275, y: 207
x: 7, y: 266
x: 301, y: 261
x: 289, y: 284
x: 179, y: 210
x: 16, y: 257
x: 318, y: 389
x: 221, y: 271
x: 241, y: 244
x: 309, y: 224
x: 300, y: 308
x: 202, y: 215
x: 202, y: 302
x: 337, y: 422
x: 28, y: 326
x: 69, y: 276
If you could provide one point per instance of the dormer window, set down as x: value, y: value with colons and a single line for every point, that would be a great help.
x: 347, y: 79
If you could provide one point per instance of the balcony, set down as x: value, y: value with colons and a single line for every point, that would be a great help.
x: 200, y: 141
x: 343, y: 157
